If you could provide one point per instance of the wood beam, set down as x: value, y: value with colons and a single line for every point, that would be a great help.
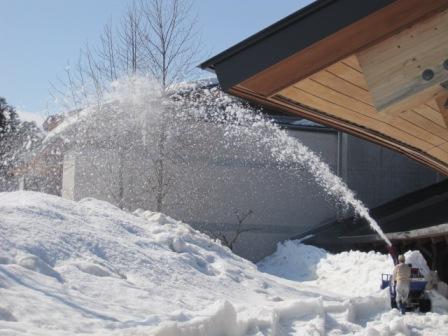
x: 293, y: 108
x: 407, y: 69
x: 442, y: 103
x: 352, y: 39
x: 434, y: 256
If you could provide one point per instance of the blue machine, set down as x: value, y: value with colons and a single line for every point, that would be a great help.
x: 418, y: 298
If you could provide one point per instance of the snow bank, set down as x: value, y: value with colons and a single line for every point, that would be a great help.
x: 89, y: 268
x: 285, y: 262
x: 357, y: 275
x: 351, y: 273
x: 416, y: 259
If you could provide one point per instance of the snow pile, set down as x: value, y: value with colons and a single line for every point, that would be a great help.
x: 416, y: 259
x: 351, y: 273
x: 356, y: 276
x: 89, y: 268
x: 286, y: 263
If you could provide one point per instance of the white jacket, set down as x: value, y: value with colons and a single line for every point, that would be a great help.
x: 402, y: 273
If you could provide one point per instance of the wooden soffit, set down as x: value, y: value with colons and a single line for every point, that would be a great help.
x: 383, y: 77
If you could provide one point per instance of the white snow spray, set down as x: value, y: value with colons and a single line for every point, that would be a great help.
x: 285, y: 149
x: 241, y: 122
x: 135, y: 111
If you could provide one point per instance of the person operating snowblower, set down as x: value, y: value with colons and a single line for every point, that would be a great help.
x: 401, y: 279
x: 407, y: 285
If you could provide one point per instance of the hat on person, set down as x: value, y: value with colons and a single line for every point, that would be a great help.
x: 401, y: 258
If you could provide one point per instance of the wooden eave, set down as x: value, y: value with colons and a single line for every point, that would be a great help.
x: 365, y: 77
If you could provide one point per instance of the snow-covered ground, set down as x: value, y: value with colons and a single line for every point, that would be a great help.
x: 89, y: 268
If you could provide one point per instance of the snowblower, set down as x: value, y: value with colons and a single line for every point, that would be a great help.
x: 418, y: 297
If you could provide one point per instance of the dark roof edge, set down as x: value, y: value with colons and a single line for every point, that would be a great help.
x: 433, y: 193
x: 272, y: 29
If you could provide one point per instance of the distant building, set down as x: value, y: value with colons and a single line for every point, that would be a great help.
x: 41, y: 169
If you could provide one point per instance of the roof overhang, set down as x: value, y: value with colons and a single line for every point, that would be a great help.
x: 434, y: 233
x: 358, y: 66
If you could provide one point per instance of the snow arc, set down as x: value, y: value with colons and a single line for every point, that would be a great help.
x: 139, y: 108
x: 243, y: 124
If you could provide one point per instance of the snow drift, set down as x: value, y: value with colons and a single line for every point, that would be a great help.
x: 351, y: 273
x: 89, y: 268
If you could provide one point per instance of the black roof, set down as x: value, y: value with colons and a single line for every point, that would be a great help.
x: 288, y: 36
x: 210, y: 63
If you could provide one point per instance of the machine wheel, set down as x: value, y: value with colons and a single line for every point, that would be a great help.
x: 425, y: 305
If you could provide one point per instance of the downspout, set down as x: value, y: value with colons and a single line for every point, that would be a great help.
x: 339, y: 156
x: 340, y: 166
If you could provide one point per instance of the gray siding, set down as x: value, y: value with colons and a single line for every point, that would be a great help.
x: 378, y: 174
x: 212, y: 184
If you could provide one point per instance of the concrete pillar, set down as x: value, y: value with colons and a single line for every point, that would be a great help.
x: 68, y: 176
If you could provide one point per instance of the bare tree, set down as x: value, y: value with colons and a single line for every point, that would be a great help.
x: 169, y: 146
x: 170, y: 50
x: 157, y: 38
x: 130, y: 47
x: 108, y: 53
x: 168, y: 38
x: 240, y: 229
x: 82, y: 84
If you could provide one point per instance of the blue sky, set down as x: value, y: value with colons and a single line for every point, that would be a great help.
x: 39, y: 37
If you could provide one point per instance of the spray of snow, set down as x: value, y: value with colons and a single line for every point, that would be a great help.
x: 286, y: 149
x: 137, y: 103
x: 243, y: 125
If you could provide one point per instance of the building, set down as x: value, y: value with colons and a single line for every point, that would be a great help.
x: 374, y: 69
x: 377, y: 70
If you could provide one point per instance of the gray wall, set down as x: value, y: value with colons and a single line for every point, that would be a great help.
x: 378, y: 174
x: 90, y: 171
x: 213, y: 184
